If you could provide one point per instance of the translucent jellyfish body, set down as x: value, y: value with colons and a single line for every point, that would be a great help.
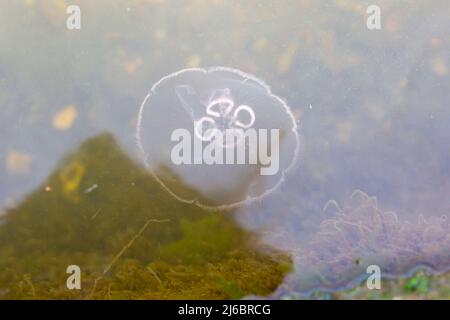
x: 217, y: 137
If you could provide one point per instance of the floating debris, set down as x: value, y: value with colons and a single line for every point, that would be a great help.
x: 18, y: 163
x: 64, y: 119
x: 91, y: 188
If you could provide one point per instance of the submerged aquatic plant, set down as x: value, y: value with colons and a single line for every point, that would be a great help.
x: 360, y: 234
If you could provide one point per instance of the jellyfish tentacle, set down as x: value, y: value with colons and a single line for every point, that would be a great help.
x: 233, y: 143
x: 190, y: 101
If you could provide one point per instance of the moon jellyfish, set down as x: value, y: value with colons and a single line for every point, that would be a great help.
x: 216, y: 137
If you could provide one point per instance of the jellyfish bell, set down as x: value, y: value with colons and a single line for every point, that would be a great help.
x: 216, y: 137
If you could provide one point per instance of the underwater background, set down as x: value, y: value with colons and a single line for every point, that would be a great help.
x: 371, y: 184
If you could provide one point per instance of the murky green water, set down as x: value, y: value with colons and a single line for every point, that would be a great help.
x: 370, y: 185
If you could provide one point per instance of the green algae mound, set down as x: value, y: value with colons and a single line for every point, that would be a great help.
x: 104, y: 213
